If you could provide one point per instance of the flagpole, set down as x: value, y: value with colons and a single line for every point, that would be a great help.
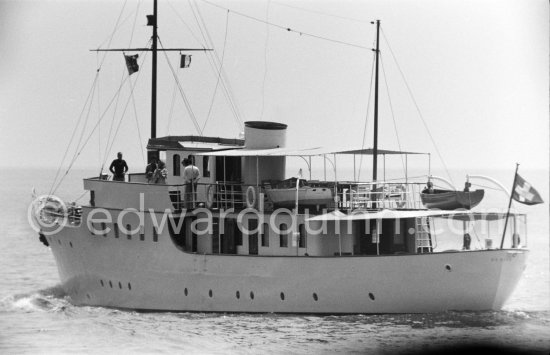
x: 509, y: 206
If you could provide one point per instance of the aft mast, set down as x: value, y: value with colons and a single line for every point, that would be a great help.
x: 375, y: 143
x: 154, y: 74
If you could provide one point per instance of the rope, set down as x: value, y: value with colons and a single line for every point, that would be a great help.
x: 184, y: 23
x: 182, y: 93
x: 130, y: 96
x: 170, y: 114
x: 392, y: 113
x: 87, y: 140
x: 265, y: 57
x: 288, y: 29
x: 90, y: 93
x: 140, y: 142
x: 219, y: 73
x: 321, y: 13
x: 418, y: 110
x: 214, y: 61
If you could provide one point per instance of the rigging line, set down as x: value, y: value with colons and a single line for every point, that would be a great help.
x: 321, y: 13
x: 137, y: 123
x: 366, y: 116
x: 98, y: 114
x: 226, y: 84
x: 170, y: 114
x: 392, y: 113
x: 122, y: 77
x: 265, y: 57
x: 134, y: 25
x: 214, y: 61
x: 88, y: 98
x: 418, y: 109
x: 184, y: 97
x: 130, y: 96
x: 288, y: 29
x: 219, y: 72
x: 132, y: 92
x: 86, y: 141
x: 114, y: 31
x: 184, y: 23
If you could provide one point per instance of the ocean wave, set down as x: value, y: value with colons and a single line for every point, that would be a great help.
x: 51, y: 299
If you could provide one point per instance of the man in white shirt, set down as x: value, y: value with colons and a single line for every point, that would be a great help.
x: 191, y: 175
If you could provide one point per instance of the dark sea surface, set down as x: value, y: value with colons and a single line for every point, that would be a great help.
x: 36, y: 317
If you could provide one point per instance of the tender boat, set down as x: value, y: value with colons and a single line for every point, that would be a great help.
x: 451, y: 200
x: 220, y: 246
x: 283, y: 194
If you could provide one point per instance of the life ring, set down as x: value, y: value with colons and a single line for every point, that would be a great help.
x: 250, y: 197
x: 210, y: 198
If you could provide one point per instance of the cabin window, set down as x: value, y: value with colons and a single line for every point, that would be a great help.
x: 176, y: 164
x: 283, y: 237
x: 238, y: 234
x: 253, y: 236
x: 205, y: 171
x: 302, y: 242
x: 265, y: 235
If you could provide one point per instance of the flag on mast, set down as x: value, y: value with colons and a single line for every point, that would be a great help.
x: 185, y: 61
x: 525, y: 193
x: 131, y: 63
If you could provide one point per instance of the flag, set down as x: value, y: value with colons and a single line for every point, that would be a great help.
x: 131, y: 63
x: 150, y: 20
x: 185, y: 61
x: 525, y: 193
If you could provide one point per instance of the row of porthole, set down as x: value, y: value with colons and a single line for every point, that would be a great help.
x: 103, y: 284
x: 282, y: 295
x: 59, y: 242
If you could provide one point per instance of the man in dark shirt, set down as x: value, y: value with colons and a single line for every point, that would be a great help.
x: 118, y: 168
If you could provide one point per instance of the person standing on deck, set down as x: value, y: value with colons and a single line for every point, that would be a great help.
x: 118, y: 168
x: 191, y: 175
x: 150, y: 170
x: 160, y: 174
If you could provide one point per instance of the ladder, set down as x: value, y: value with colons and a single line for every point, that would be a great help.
x: 423, y: 238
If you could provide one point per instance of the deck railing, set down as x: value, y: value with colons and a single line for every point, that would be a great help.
x: 352, y: 196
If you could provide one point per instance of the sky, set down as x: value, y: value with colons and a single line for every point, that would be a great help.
x: 477, y: 70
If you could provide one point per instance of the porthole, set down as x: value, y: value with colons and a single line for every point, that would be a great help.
x: 282, y: 296
x: 371, y: 296
x: 120, y: 285
x: 102, y: 284
x: 315, y: 296
x: 210, y: 293
x: 251, y: 295
x: 88, y: 295
x: 129, y: 286
x: 110, y: 284
x: 448, y: 267
x: 185, y: 291
x: 238, y: 294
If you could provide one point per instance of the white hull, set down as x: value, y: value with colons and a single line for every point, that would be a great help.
x: 148, y: 275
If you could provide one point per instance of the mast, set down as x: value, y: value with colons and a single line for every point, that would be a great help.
x: 375, y: 147
x: 154, y: 75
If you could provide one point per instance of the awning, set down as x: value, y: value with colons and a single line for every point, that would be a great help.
x: 315, y: 151
x: 400, y: 214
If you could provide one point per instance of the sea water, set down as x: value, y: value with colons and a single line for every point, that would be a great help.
x: 36, y: 316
